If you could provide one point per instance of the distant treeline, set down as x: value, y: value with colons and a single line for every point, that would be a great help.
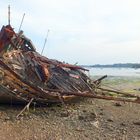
x: 119, y: 65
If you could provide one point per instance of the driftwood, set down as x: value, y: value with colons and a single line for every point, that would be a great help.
x: 26, y: 107
x: 98, y: 81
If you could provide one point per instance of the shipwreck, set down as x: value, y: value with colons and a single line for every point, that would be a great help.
x: 27, y: 76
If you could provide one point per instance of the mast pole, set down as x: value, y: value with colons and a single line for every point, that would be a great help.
x: 21, y: 22
x: 45, y: 42
x: 9, y: 15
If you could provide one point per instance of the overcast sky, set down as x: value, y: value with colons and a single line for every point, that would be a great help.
x: 83, y: 31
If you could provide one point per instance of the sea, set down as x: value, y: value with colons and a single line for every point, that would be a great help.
x: 114, y: 72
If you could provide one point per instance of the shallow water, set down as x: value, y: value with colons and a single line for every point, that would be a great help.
x: 114, y: 72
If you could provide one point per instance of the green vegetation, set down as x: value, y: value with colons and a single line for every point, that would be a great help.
x: 123, y: 83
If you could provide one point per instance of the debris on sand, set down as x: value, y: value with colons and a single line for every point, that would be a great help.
x: 27, y: 76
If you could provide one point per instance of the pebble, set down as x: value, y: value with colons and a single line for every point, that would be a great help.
x: 101, y: 113
x: 64, y: 114
x: 96, y: 124
x: 137, y: 123
x: 87, y: 116
x: 122, y: 124
x: 110, y: 120
x: 118, y: 104
x: 80, y: 117
x: 7, y: 119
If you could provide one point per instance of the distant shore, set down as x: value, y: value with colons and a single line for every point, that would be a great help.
x: 118, y: 65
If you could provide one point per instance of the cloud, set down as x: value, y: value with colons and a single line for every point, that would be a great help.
x: 91, y: 31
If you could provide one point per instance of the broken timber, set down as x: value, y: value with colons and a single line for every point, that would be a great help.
x: 27, y: 75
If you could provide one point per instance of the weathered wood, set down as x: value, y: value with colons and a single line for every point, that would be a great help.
x: 26, y: 75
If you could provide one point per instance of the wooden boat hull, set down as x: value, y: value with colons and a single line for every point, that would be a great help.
x: 6, y: 97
